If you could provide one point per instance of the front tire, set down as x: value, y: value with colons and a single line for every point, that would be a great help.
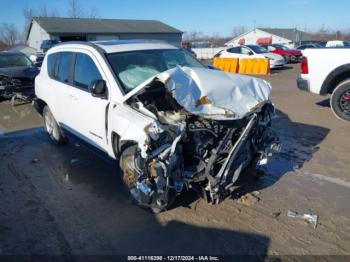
x: 155, y: 202
x: 52, y: 128
x: 340, y: 101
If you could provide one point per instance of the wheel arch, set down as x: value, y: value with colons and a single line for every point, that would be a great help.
x: 334, y: 78
x: 118, y: 145
x: 39, y: 105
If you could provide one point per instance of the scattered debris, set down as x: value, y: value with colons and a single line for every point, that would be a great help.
x: 311, y: 218
x: 35, y: 160
x: 21, y: 99
x: 276, y: 214
x: 249, y: 199
x: 74, y: 160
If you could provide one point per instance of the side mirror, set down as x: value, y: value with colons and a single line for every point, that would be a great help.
x: 251, y: 53
x: 98, y: 88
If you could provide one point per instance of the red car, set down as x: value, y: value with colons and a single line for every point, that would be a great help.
x: 290, y: 55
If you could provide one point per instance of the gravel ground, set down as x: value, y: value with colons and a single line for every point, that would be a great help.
x: 68, y: 200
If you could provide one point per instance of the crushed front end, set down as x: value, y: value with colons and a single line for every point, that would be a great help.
x: 201, y: 142
x: 10, y: 86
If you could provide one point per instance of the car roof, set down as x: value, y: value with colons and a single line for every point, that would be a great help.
x: 115, y: 46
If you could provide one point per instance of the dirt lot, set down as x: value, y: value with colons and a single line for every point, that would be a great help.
x: 70, y: 200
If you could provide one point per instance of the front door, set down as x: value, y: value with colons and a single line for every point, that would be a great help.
x: 246, y: 53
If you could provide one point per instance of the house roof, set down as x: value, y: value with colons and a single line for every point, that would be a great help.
x: 291, y: 34
x: 55, y: 25
x: 288, y: 33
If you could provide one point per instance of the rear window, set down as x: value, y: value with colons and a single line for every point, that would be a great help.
x: 51, y: 62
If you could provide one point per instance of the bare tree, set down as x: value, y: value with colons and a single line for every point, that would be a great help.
x: 238, y: 30
x: 9, y: 34
x: 29, y: 13
x: 75, y: 10
x: 93, y: 13
x: 193, y: 36
x: 215, y: 39
x: 322, y: 34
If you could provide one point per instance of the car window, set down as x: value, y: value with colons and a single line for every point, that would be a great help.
x: 51, y: 62
x: 16, y: 60
x: 245, y: 51
x: 235, y: 50
x: 271, y: 48
x: 257, y: 49
x: 85, y: 71
x: 63, y: 67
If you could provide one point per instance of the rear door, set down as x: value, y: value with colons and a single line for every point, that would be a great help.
x: 59, y: 70
x: 87, y: 114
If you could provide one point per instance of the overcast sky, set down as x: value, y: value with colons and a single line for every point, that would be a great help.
x: 207, y: 16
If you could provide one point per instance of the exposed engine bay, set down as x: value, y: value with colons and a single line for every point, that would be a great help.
x: 197, y: 144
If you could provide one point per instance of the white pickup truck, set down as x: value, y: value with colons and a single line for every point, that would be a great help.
x: 327, y: 71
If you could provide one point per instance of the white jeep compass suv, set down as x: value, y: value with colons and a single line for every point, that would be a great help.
x: 172, y: 122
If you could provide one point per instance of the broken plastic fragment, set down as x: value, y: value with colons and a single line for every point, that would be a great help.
x: 311, y: 218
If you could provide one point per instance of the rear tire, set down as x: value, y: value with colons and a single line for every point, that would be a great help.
x: 52, y: 128
x: 340, y: 101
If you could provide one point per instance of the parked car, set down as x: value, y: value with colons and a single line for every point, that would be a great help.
x: 17, y: 73
x: 338, y: 43
x: 252, y: 51
x: 173, y: 123
x: 47, y: 44
x: 327, y: 72
x: 290, y: 55
x: 303, y: 47
x: 317, y: 42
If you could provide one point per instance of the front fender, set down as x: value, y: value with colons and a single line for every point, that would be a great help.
x: 130, y: 125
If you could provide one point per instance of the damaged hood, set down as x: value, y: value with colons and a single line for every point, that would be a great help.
x: 211, y: 93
